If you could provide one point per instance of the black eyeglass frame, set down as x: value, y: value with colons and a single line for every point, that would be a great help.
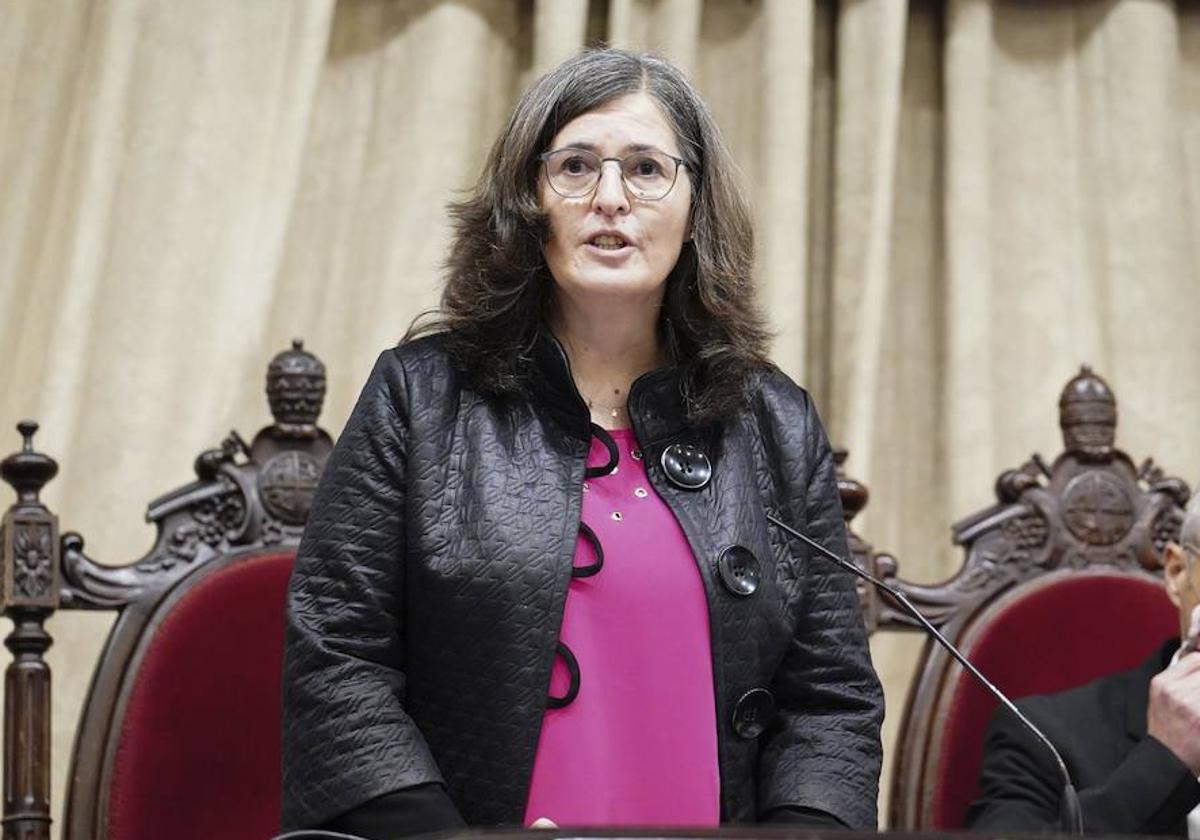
x: 620, y: 161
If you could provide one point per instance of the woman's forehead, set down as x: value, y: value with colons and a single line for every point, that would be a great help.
x: 626, y: 124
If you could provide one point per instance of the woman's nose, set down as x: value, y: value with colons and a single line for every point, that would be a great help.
x: 610, y: 197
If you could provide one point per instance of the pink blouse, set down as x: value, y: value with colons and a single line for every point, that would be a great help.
x: 638, y: 744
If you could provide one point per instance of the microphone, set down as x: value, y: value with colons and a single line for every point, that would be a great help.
x: 1070, y: 817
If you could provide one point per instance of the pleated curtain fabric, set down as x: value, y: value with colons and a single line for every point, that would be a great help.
x: 957, y: 204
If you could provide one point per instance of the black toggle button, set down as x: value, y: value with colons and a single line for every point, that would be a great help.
x: 738, y: 569
x: 597, y: 549
x: 686, y: 466
x: 572, y: 664
x: 753, y: 713
x: 605, y: 438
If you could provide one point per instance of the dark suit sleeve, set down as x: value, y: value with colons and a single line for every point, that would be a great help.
x: 1149, y: 792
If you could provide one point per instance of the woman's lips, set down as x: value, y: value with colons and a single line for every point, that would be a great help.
x: 608, y: 254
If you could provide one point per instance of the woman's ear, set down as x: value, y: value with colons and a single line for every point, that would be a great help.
x: 1175, y: 570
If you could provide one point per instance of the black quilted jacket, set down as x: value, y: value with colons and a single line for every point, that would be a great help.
x: 429, y: 589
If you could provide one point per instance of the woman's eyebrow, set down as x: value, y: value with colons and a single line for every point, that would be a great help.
x: 588, y: 146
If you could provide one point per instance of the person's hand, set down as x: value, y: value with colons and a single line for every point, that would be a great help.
x: 1174, y: 714
x: 542, y: 822
x: 1192, y: 641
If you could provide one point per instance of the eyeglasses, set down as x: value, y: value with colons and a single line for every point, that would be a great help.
x: 649, y: 175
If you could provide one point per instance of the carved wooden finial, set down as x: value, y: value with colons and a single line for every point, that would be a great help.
x: 30, y: 582
x: 1087, y: 414
x: 27, y: 428
x: 296, y: 389
x: 28, y: 471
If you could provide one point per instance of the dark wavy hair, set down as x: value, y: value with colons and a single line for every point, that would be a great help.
x: 499, y: 291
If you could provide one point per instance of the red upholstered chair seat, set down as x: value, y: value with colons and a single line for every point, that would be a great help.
x: 1054, y: 633
x: 198, y: 745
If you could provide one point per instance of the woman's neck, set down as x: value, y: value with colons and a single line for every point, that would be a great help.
x: 607, y: 353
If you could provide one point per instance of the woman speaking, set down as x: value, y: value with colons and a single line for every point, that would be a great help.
x: 538, y: 581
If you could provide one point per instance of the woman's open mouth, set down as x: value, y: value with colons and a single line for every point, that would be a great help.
x: 609, y: 243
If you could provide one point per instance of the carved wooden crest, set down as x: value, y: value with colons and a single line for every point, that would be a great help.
x: 245, y: 495
x: 1091, y: 507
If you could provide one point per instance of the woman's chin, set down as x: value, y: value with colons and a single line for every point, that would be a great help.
x: 613, y: 285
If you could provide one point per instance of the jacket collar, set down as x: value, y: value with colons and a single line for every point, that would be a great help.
x: 656, y: 398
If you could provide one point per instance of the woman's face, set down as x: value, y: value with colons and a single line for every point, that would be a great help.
x: 609, y: 242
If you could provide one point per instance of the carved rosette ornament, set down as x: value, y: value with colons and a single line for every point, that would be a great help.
x: 1097, y: 508
x: 287, y: 483
x: 1027, y: 532
x: 33, y: 558
x: 213, y: 522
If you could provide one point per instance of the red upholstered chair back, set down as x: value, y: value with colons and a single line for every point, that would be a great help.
x: 179, y: 735
x: 1059, y: 585
x: 1060, y: 631
x: 197, y: 741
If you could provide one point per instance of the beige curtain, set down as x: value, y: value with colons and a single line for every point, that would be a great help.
x: 957, y: 204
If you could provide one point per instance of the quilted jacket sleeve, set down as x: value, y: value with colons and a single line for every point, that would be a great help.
x: 346, y: 735
x: 825, y: 751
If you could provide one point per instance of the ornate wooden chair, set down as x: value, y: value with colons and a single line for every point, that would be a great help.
x: 854, y: 496
x: 179, y: 735
x: 1059, y: 586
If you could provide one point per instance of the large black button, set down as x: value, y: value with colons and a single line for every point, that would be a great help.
x: 739, y: 570
x: 686, y: 466
x: 753, y: 713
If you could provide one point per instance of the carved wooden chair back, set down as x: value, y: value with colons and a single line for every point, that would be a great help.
x: 1060, y: 584
x: 179, y: 734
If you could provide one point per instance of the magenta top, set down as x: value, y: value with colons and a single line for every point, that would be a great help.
x: 638, y: 744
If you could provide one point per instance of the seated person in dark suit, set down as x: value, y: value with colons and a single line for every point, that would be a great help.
x: 1131, y: 740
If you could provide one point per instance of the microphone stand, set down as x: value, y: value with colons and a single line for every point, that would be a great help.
x: 1070, y: 816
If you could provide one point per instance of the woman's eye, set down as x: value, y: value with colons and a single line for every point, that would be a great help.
x: 575, y: 166
x: 648, y: 166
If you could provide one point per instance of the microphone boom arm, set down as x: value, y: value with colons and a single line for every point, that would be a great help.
x: 1071, y: 816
